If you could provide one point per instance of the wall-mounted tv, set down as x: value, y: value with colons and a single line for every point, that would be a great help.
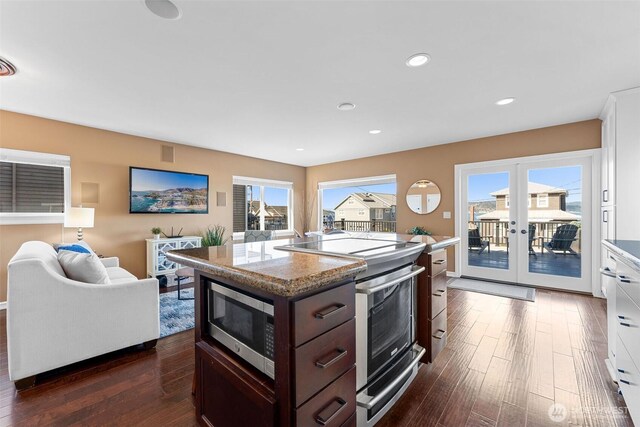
x: 156, y: 191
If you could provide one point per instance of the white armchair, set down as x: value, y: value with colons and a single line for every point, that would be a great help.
x: 53, y: 321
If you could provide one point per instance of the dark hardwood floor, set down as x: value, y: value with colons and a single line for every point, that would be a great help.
x: 506, y: 362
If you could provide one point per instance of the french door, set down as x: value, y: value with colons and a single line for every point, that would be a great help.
x: 527, y: 221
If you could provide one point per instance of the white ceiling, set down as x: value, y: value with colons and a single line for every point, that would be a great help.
x: 264, y: 78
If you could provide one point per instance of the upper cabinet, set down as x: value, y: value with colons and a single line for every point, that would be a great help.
x: 621, y: 162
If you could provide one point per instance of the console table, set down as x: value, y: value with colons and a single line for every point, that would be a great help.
x: 157, y: 262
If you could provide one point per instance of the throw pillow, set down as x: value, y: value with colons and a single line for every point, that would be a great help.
x: 83, y: 267
x: 74, y: 248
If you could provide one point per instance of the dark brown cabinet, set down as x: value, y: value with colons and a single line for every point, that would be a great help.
x: 315, y: 376
x: 432, y: 303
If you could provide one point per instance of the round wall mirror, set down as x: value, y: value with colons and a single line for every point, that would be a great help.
x: 423, y: 197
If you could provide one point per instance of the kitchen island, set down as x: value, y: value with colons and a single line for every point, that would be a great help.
x: 310, y: 301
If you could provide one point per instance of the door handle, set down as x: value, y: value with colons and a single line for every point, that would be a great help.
x: 512, y: 231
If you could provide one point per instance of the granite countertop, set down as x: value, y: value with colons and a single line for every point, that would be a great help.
x: 627, y: 249
x: 275, y: 271
x: 287, y: 273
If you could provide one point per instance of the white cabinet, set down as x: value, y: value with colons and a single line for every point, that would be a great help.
x: 157, y: 262
x: 620, y: 193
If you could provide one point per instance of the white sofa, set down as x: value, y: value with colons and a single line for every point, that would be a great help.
x: 53, y: 321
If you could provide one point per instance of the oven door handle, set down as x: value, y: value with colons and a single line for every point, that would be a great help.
x: 363, y: 288
x: 369, y: 404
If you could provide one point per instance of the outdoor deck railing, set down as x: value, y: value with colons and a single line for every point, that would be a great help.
x: 373, y: 225
x: 497, y: 231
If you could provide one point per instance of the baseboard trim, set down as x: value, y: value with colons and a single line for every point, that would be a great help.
x: 3, y: 305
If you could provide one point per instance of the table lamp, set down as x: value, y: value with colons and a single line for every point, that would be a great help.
x: 80, y: 218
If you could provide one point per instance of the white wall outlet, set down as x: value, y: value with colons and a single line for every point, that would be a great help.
x: 446, y: 215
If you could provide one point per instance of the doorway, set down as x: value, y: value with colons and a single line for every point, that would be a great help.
x: 528, y: 221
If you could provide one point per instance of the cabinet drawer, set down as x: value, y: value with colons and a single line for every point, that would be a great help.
x: 438, y: 262
x: 317, y: 314
x: 324, y: 359
x: 438, y: 334
x: 628, y: 379
x: 628, y: 318
x: 333, y: 406
x: 438, y: 294
x: 628, y: 279
x: 351, y: 422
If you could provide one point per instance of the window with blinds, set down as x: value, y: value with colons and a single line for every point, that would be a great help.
x: 34, y: 187
x: 31, y: 188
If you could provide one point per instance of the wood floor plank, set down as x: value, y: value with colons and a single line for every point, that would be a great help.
x: 511, y: 416
x: 575, y: 414
x: 462, y: 400
x: 483, y: 355
x: 542, y: 381
x: 564, y: 373
x: 593, y: 392
x: 560, y: 334
x: 489, y: 399
x: 517, y: 390
x: 506, y: 345
x: 477, y: 420
x: 538, y: 411
x: 476, y: 333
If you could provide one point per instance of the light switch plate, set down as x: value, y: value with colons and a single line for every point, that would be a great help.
x: 446, y: 215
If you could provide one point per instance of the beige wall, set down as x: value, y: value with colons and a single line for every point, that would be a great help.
x: 103, y: 157
x: 437, y: 164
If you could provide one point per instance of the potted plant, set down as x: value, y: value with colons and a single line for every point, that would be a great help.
x: 214, y: 236
x: 156, y: 232
x: 419, y: 231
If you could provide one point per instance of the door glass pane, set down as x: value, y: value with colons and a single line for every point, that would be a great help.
x: 488, y: 220
x: 276, y: 205
x: 555, y: 221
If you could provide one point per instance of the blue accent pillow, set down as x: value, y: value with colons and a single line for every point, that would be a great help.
x: 74, y: 248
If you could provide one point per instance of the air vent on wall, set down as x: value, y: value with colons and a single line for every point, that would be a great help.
x: 168, y: 154
x: 6, y: 68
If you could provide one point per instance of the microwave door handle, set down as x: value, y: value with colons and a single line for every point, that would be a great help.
x: 362, y: 288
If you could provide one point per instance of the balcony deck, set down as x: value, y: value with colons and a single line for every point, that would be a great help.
x: 543, y: 263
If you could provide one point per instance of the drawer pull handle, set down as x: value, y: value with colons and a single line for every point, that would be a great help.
x: 325, y: 364
x: 330, y: 411
x: 623, y: 279
x: 621, y: 370
x: 439, y: 262
x: 441, y: 331
x: 327, y: 312
x: 625, y: 324
x: 625, y: 381
x: 439, y: 293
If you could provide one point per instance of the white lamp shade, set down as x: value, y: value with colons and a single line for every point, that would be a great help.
x: 79, y: 217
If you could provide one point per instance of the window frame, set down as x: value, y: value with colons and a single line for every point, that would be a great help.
x: 354, y: 182
x: 262, y: 183
x: 8, y: 155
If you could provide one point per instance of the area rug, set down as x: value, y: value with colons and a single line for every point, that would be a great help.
x: 176, y: 315
x: 492, y: 288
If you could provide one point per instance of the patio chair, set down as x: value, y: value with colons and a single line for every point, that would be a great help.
x: 476, y: 242
x: 562, y: 239
x: 532, y: 237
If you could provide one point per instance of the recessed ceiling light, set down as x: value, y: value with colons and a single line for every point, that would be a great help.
x: 418, y: 60
x: 375, y: 131
x: 346, y: 106
x: 163, y: 8
x: 299, y: 149
x: 505, y: 101
x: 6, y: 68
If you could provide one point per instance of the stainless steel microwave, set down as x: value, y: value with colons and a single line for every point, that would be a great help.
x: 243, y: 324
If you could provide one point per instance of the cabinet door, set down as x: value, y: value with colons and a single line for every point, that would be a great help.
x: 627, y: 172
x: 605, y: 194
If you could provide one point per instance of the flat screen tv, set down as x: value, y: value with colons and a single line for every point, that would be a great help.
x: 156, y: 191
